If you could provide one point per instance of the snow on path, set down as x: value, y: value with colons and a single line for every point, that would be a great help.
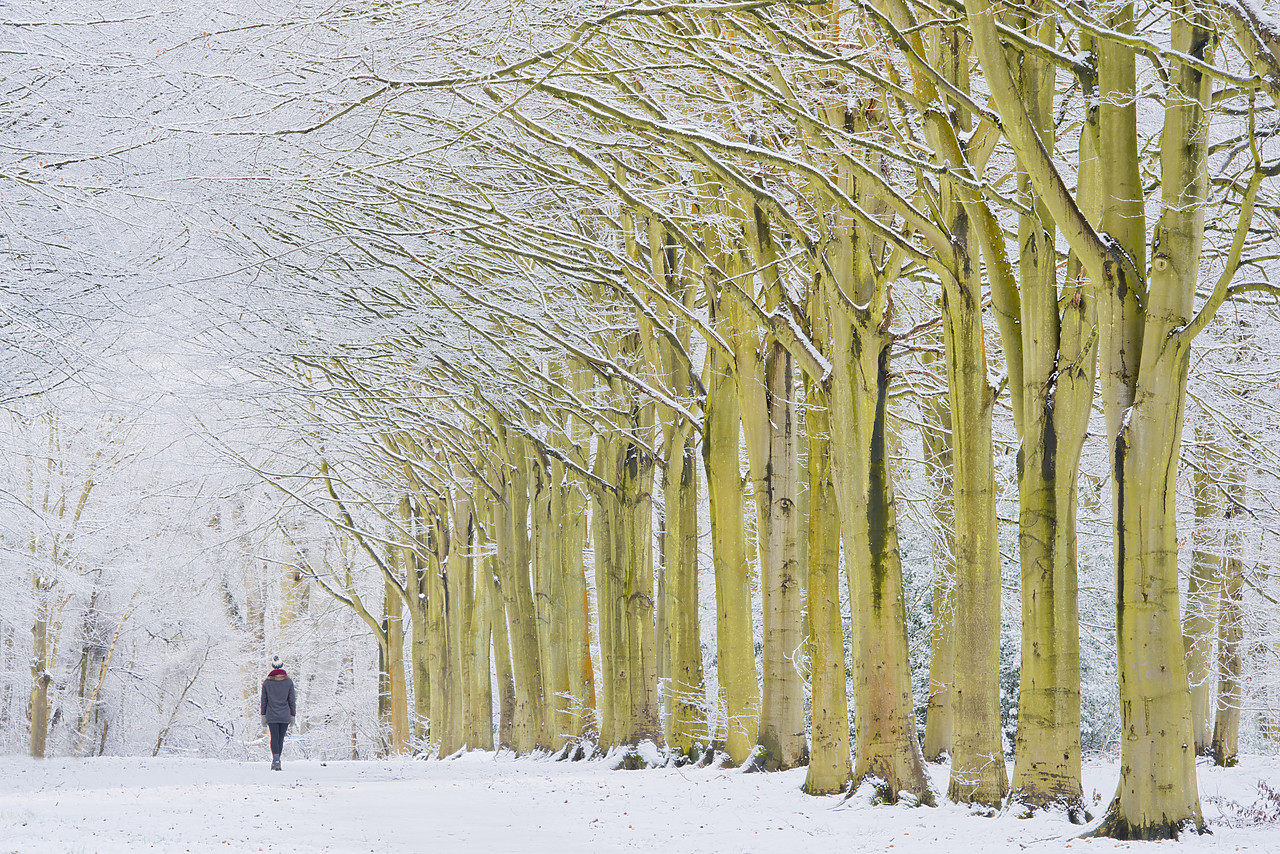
x: 480, y: 804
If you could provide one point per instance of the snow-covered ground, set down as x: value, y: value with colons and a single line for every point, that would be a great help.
x: 480, y: 804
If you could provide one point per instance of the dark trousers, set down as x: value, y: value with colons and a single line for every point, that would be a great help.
x: 277, y: 738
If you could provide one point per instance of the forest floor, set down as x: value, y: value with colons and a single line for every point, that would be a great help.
x: 478, y: 804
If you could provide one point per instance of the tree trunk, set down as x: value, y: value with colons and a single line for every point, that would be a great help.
x: 397, y: 708
x: 829, y: 759
x: 682, y: 636
x: 437, y: 629
x: 415, y: 586
x: 386, y: 737
x: 457, y: 588
x: 605, y: 527
x: 624, y: 584
x: 1157, y: 793
x: 1157, y: 796
x: 782, y: 732
x: 1226, y: 726
x: 577, y: 597
x: 495, y: 518
x: 1047, y: 761
x: 1058, y: 358
x: 41, y: 676
x: 545, y: 540
x: 637, y: 583
x: 721, y: 447
x: 1200, y: 621
x: 1144, y: 338
x: 557, y: 608
x: 884, y: 719
x: 502, y: 666
x: 766, y: 393
x: 679, y: 632
x: 92, y: 660
x: 530, y: 711
x: 479, y: 635
x: 978, y: 773
x: 936, y: 434
x: 580, y: 705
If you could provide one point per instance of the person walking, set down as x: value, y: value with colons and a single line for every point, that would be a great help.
x: 279, y: 707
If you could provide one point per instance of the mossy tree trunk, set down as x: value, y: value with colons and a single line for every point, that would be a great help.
x: 433, y: 582
x: 685, y: 691
x: 1146, y: 367
x: 545, y: 541
x: 978, y: 773
x: 884, y: 720
x: 415, y: 591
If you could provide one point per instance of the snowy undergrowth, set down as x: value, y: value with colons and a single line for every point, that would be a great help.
x: 478, y: 803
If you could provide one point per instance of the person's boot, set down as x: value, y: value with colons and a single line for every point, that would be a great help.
x: 275, y: 762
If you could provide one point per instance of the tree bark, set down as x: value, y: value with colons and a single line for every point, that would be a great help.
x: 544, y: 541
x: 457, y: 588
x: 1144, y: 341
x: 624, y: 579
x: 605, y: 527
x: 684, y: 688
x: 577, y: 596
x: 505, y: 677
x: 415, y: 587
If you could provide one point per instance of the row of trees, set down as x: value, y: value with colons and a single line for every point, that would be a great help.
x: 605, y: 338
x: 590, y: 279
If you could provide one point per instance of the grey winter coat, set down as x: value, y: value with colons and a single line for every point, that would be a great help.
x: 279, y: 702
